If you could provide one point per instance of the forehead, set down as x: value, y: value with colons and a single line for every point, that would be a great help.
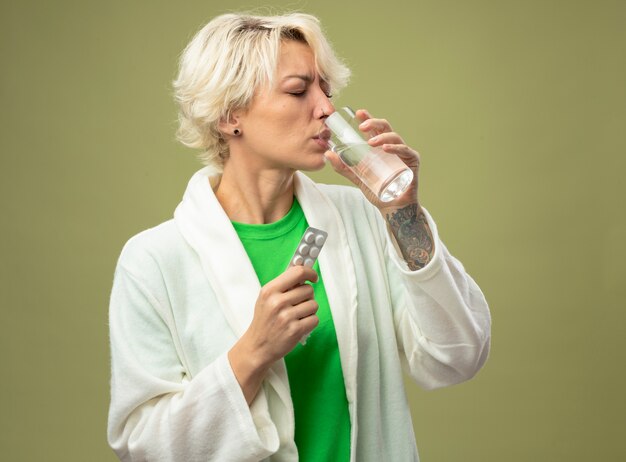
x: 295, y: 58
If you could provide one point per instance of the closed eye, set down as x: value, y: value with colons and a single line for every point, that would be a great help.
x: 303, y: 92
x: 328, y: 95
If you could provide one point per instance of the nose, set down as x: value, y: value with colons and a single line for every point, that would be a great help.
x: 326, y: 107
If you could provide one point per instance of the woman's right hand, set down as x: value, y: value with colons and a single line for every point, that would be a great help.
x: 283, y: 314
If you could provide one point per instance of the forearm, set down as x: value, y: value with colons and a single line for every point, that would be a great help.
x: 156, y: 419
x: 247, y: 369
x: 441, y: 316
x: 410, y: 228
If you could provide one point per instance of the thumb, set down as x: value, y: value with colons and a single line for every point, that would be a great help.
x: 341, y: 168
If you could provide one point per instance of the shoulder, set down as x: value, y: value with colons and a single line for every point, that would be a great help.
x: 350, y: 202
x: 151, y: 247
x: 344, y: 196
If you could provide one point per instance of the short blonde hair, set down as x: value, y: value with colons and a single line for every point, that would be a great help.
x: 228, y: 60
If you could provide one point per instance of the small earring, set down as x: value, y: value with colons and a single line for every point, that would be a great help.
x: 236, y: 132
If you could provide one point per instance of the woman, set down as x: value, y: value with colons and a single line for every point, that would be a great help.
x: 205, y: 320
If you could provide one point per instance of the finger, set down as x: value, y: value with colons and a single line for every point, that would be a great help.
x: 385, y: 138
x: 298, y: 294
x: 401, y: 150
x: 362, y: 114
x: 304, y: 309
x: 293, y: 276
x: 307, y: 324
x: 340, y: 167
x: 375, y: 126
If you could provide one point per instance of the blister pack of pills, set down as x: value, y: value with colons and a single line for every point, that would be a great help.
x: 309, y: 247
x: 307, y: 252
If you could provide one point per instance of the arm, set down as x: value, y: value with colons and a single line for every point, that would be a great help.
x: 284, y: 313
x: 155, y: 412
x: 409, y: 227
x: 441, y: 318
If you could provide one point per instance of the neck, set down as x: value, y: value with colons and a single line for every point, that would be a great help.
x: 255, y: 196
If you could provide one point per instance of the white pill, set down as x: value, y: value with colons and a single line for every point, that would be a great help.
x: 309, y: 248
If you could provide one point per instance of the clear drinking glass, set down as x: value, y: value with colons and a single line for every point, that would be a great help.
x: 384, y: 173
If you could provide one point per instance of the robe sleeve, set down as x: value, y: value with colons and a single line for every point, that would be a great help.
x: 441, y: 317
x: 156, y: 414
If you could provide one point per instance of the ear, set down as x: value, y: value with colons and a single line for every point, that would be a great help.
x: 228, y: 125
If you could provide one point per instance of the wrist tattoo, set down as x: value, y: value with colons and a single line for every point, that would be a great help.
x: 411, y: 230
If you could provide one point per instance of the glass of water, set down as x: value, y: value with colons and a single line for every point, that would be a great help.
x: 382, y: 172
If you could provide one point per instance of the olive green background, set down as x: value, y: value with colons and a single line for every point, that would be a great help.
x: 518, y: 110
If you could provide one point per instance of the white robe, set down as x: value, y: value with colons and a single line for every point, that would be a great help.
x: 185, y: 291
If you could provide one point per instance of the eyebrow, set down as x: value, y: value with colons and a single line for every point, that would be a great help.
x: 306, y: 78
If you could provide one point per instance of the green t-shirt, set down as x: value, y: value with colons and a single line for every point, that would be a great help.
x: 322, y: 420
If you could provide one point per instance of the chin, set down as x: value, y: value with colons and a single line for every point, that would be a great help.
x: 316, y: 163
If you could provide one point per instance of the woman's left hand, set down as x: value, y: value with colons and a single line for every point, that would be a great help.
x: 390, y: 142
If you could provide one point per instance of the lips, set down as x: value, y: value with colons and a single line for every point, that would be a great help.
x: 323, y: 143
x: 322, y: 138
x: 324, y: 135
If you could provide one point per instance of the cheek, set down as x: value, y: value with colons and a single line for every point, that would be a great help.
x: 295, y: 120
x: 281, y: 119
x: 283, y: 123
x: 289, y: 131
